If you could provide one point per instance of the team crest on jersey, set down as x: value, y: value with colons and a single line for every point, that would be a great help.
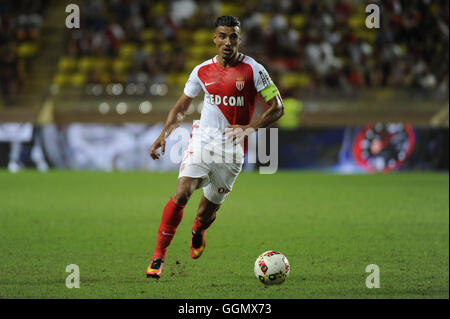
x: 240, y: 83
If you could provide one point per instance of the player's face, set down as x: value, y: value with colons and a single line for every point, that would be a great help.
x: 227, y: 40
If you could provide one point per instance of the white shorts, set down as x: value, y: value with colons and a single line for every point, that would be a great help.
x: 217, y: 176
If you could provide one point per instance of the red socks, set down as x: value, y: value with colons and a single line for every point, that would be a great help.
x: 199, y: 228
x: 171, y: 218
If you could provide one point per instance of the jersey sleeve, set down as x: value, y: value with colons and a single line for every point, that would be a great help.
x: 263, y: 82
x: 193, y: 86
x: 260, y: 77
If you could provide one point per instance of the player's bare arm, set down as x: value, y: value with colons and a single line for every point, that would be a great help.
x: 174, y: 119
x: 270, y: 116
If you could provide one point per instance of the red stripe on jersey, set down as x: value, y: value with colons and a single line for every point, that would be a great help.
x: 230, y: 85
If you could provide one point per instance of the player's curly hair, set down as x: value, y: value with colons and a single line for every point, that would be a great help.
x: 227, y: 21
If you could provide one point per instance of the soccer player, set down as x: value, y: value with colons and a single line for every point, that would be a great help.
x: 231, y: 82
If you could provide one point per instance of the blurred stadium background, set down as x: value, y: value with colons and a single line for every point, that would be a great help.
x: 357, y: 99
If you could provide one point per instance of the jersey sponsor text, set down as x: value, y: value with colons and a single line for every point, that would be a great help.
x: 226, y: 100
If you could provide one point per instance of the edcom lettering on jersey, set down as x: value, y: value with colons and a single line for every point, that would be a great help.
x: 226, y: 100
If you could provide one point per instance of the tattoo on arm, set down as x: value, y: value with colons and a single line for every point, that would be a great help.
x: 271, y: 115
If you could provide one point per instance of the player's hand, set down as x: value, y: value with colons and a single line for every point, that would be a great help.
x: 237, y: 133
x: 160, y: 142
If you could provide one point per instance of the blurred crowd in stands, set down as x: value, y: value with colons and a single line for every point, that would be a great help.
x: 320, y: 44
x: 20, y: 37
x: 306, y: 45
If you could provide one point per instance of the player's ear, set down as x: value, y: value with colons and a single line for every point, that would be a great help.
x: 215, y: 38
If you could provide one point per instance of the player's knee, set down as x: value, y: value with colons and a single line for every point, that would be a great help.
x: 182, y: 195
x: 181, y: 198
x: 186, y: 186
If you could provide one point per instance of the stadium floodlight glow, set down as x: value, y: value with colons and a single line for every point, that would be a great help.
x: 117, y: 89
x: 145, y: 107
x: 103, y: 108
x: 109, y: 89
x: 159, y: 89
x: 122, y: 108
x: 154, y: 89
x: 163, y: 89
x: 131, y: 89
x: 97, y: 89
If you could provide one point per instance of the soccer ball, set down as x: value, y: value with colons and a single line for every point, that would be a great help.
x: 271, y: 267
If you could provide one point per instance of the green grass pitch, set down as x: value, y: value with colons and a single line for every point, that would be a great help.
x: 330, y: 227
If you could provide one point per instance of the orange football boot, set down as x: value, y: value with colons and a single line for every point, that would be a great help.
x: 155, y: 268
x: 199, y: 241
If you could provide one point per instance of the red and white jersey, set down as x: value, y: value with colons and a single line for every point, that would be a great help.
x: 230, y: 93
